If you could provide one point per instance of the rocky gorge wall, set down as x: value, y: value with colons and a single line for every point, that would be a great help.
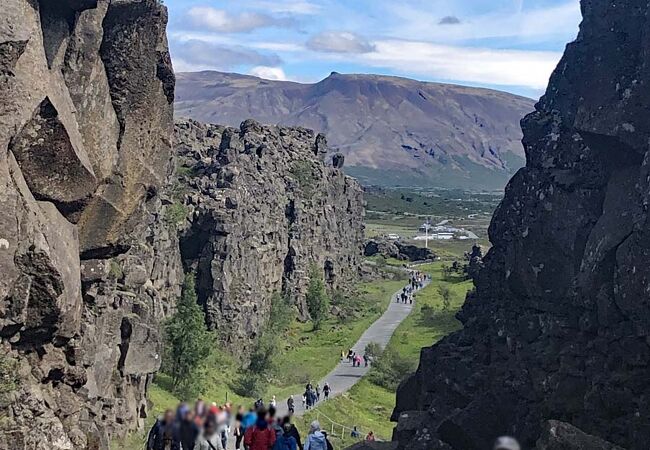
x: 88, y: 268
x: 558, y: 326
x: 261, y: 207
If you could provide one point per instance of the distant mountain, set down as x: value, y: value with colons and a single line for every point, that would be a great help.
x: 393, y: 131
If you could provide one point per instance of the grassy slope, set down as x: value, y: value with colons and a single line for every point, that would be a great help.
x: 306, y: 355
x: 369, y: 406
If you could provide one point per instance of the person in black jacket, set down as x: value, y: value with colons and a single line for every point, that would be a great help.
x: 162, y: 434
x: 292, y: 431
x: 186, y: 429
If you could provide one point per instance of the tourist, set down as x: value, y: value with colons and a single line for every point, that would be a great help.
x: 259, y: 436
x: 249, y: 419
x: 291, y: 405
x: 273, y: 403
x: 506, y: 443
x: 316, y: 439
x: 304, y: 400
x: 309, y: 386
x: 366, y: 359
x: 238, y: 431
x: 291, y: 430
x: 284, y: 441
x: 355, y: 433
x: 200, y: 409
x: 326, y: 390
x: 161, y: 436
x: 370, y: 437
x: 318, y: 392
x: 210, y: 438
x: 186, y: 429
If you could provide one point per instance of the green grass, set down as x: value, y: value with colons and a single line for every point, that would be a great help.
x: 369, y: 406
x: 365, y: 406
x: 309, y: 355
x: 305, y: 355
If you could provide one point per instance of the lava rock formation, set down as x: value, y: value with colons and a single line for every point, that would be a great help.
x: 559, y: 324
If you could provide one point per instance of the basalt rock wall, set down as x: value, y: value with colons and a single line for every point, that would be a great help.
x: 263, y: 207
x: 88, y: 267
x: 558, y: 326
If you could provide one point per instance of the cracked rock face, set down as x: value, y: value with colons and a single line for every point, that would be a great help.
x: 559, y: 324
x: 88, y: 268
x: 262, y: 207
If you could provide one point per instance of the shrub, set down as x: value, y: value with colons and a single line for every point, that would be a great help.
x: 175, y: 215
x: 281, y: 316
x: 389, y: 369
x: 373, y: 350
x: 250, y: 385
x: 317, y: 299
x: 303, y: 173
x: 445, y: 295
x: 8, y: 377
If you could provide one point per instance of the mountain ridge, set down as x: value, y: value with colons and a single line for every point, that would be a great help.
x: 392, y: 130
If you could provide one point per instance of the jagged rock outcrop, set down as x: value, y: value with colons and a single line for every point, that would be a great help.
x: 88, y: 268
x: 262, y: 208
x: 396, y: 249
x: 559, y: 324
x: 563, y: 436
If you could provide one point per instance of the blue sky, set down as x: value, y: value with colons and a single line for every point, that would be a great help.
x: 511, y: 45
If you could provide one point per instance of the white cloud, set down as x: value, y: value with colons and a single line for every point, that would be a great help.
x: 288, y: 6
x: 470, y: 64
x: 203, y: 55
x: 339, y: 42
x: 224, y: 22
x: 277, y: 46
x: 537, y: 24
x: 268, y: 73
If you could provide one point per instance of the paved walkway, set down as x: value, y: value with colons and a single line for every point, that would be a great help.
x: 344, y: 376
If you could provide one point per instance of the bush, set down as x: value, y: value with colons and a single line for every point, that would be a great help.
x: 445, y: 295
x: 250, y: 385
x: 317, y: 300
x: 389, y: 369
x: 280, y: 318
x: 373, y: 350
x: 187, y: 341
x: 427, y: 314
x: 175, y: 215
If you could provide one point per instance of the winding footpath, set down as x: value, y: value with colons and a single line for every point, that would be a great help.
x: 344, y: 376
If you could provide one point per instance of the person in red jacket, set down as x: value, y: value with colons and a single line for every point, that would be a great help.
x: 260, y: 436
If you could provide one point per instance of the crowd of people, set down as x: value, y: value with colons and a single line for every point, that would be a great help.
x: 209, y: 428
x: 416, y: 281
x: 311, y: 396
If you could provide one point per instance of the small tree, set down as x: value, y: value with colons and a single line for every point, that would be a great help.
x: 317, y: 300
x: 373, y: 350
x: 188, y: 342
x: 445, y: 295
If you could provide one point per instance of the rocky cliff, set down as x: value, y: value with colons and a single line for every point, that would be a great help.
x: 559, y: 324
x: 262, y: 207
x: 88, y: 268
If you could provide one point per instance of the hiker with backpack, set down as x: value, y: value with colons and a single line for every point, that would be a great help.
x: 326, y: 390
